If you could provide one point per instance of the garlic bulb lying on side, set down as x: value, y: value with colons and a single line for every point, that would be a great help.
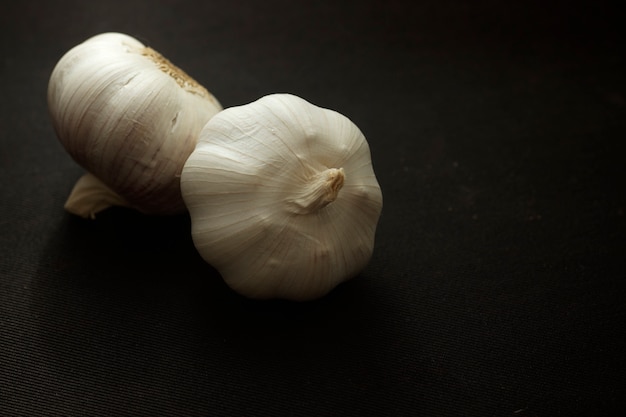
x: 130, y: 118
x: 283, y: 198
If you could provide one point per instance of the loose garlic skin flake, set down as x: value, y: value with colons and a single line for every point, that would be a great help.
x: 283, y: 198
x: 130, y: 118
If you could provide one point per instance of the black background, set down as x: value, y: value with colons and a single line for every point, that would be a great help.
x: 496, y: 287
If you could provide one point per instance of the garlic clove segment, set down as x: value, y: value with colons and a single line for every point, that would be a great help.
x: 283, y: 198
x: 130, y: 118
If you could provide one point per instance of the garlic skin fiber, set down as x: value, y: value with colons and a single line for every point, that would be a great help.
x: 130, y: 118
x: 283, y: 198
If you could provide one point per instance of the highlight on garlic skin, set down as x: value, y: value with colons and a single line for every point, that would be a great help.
x: 130, y: 118
x: 283, y: 198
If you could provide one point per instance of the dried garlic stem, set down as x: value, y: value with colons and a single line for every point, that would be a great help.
x: 319, y: 192
x: 90, y: 196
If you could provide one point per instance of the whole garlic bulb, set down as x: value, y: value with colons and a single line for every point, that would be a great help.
x: 283, y: 198
x: 130, y: 118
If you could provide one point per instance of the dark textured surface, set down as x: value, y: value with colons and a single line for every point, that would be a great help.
x: 497, y: 284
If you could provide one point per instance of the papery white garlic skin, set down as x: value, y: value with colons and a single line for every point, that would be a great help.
x: 129, y: 117
x: 283, y: 198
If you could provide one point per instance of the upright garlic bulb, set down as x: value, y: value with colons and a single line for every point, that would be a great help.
x: 283, y: 198
x: 130, y: 118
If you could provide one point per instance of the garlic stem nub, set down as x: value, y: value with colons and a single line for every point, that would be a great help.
x: 319, y: 192
x: 91, y: 196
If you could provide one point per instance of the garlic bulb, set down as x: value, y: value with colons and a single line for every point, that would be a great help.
x: 283, y: 198
x: 130, y: 118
